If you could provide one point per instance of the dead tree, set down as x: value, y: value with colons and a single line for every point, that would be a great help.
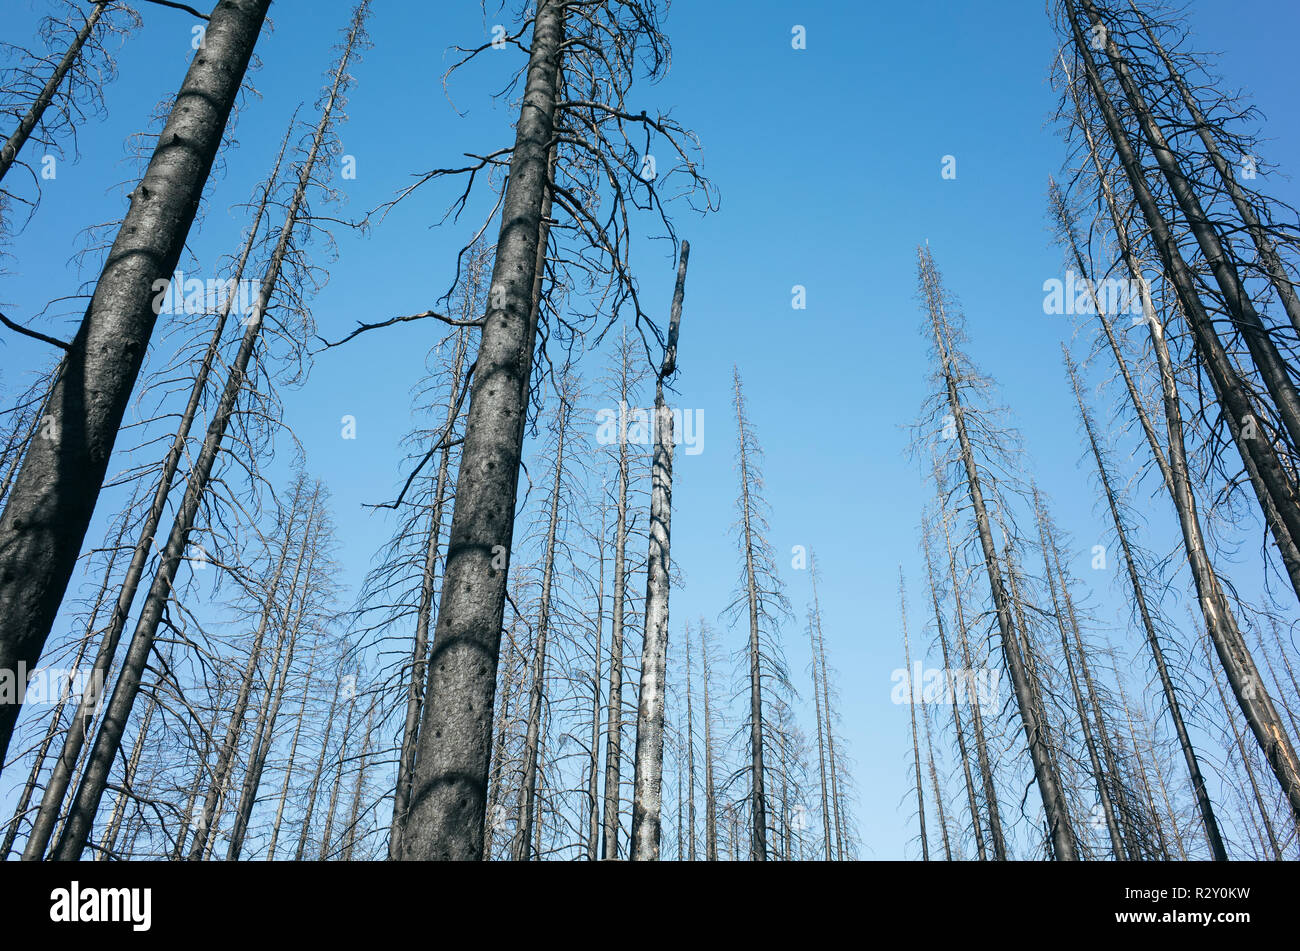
x: 1240, y: 411
x: 570, y: 120
x: 648, y: 780
x: 913, y: 698
x: 53, y: 497
x: 472, y: 298
x: 951, y: 377
x: 1147, y: 618
x: 119, y: 706
x: 761, y: 600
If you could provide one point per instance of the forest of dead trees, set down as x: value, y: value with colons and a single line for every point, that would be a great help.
x: 182, y: 676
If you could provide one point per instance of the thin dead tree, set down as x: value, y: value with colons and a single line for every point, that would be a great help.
x: 648, y: 779
x: 761, y: 601
x: 119, y: 707
x: 53, y: 497
x: 950, y: 376
x: 1241, y: 413
x: 1147, y: 618
x: 913, y: 697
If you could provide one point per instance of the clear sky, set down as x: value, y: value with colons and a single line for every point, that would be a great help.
x: 828, y: 161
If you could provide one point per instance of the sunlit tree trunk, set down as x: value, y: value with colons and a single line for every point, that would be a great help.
x: 647, y: 796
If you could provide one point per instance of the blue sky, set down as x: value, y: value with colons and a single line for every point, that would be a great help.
x: 828, y: 161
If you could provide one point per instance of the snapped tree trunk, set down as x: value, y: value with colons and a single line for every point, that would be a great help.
x: 648, y: 777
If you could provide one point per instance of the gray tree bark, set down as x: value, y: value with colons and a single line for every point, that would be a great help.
x: 449, y: 791
x: 648, y: 776
x: 1045, y: 774
x: 53, y: 498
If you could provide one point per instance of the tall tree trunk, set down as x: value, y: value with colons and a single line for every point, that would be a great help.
x: 1049, y: 788
x: 757, y: 795
x: 88, y: 795
x: 1242, y: 674
x: 971, y: 798
x: 537, y: 689
x: 449, y: 792
x: 614, y: 726
x: 53, y: 497
x: 57, y: 787
x: 648, y: 776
